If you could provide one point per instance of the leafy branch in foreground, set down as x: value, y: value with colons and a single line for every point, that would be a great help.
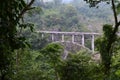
x: 106, y: 43
x: 11, y: 13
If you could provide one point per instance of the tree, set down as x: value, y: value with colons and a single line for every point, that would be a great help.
x: 106, y: 43
x: 75, y: 67
x: 11, y: 14
x: 79, y: 66
x: 53, y: 53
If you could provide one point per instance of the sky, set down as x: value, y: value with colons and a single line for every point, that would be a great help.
x: 67, y: 0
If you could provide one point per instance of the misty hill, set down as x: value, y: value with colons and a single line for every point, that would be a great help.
x: 73, y: 16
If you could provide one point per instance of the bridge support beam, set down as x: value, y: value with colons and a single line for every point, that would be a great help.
x: 73, y: 38
x: 92, y: 43
x: 83, y: 40
x: 52, y: 37
x: 63, y: 37
x: 42, y: 35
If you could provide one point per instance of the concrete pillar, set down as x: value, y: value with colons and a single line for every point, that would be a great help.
x: 92, y: 43
x: 73, y: 37
x: 63, y: 37
x: 42, y: 35
x: 52, y: 37
x: 83, y: 40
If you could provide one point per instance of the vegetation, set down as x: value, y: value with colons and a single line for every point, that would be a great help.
x: 72, y: 16
x: 10, y: 40
x: 43, y: 61
x: 41, y: 65
x: 109, y: 38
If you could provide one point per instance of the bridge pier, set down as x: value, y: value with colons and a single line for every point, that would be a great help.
x: 92, y: 43
x: 42, y: 35
x: 83, y: 40
x: 63, y: 36
x: 52, y: 37
x: 73, y: 38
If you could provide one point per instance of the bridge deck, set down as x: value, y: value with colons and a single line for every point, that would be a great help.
x: 72, y: 33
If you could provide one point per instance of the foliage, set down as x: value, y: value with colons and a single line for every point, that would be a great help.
x: 11, y: 13
x: 34, y: 65
x: 27, y: 67
x: 35, y: 39
x: 79, y: 66
x: 49, y: 65
x: 53, y: 53
x: 115, y: 67
x: 106, y: 44
x: 102, y: 45
x: 74, y: 16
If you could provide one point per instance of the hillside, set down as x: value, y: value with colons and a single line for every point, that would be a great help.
x: 69, y: 16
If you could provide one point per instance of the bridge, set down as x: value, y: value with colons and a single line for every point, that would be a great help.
x: 79, y: 38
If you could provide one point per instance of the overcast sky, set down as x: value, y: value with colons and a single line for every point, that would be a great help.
x: 67, y: 0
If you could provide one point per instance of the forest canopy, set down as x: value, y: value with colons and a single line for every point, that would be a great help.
x: 25, y: 55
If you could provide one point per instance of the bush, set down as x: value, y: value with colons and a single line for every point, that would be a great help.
x: 80, y: 67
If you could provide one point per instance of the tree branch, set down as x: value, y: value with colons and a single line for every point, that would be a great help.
x: 115, y: 17
x: 112, y: 37
x: 26, y: 8
x: 114, y: 12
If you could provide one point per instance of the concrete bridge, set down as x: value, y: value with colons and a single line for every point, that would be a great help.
x: 80, y: 38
